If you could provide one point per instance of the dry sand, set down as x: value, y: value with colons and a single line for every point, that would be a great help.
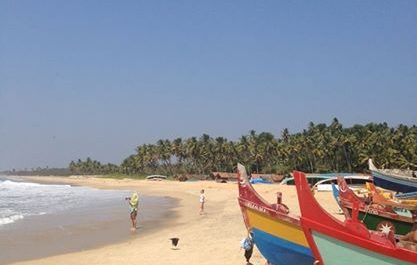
x: 209, y: 239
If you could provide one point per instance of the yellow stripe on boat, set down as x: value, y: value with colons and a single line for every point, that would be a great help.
x: 276, y: 227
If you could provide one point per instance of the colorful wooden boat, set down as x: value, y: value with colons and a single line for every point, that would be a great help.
x: 376, y: 213
x: 407, y: 196
x: 276, y: 232
x: 394, y: 179
x: 382, y: 198
x: 339, y: 243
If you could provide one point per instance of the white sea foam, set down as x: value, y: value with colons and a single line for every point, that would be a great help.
x: 22, y: 185
x: 10, y: 219
x: 21, y: 199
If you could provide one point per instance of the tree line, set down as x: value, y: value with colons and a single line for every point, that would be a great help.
x: 319, y: 148
x: 92, y: 167
x: 39, y: 171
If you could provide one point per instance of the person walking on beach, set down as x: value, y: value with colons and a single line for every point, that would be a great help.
x: 133, y: 206
x: 247, y: 245
x: 202, y: 201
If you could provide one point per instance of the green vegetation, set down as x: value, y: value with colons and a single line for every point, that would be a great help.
x: 92, y: 167
x: 122, y: 176
x: 319, y: 148
x: 38, y: 172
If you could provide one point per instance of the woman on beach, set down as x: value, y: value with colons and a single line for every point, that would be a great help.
x: 202, y: 201
x: 133, y: 206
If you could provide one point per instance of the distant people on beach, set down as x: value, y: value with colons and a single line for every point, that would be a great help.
x: 133, y: 206
x: 247, y: 245
x: 202, y: 201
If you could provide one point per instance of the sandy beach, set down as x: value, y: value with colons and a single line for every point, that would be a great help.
x: 212, y: 238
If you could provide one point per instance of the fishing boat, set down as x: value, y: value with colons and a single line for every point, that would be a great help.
x: 156, y: 177
x: 322, y: 182
x: 394, y: 179
x: 386, y: 198
x: 375, y: 211
x: 334, y: 242
x: 276, y: 231
x: 410, y: 196
x: 355, y: 181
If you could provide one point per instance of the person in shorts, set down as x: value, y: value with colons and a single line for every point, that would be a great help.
x: 133, y: 207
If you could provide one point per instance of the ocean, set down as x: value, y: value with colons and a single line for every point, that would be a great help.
x: 39, y: 220
x: 19, y: 200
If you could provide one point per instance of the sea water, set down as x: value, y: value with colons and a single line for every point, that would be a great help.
x: 19, y: 200
x: 38, y: 220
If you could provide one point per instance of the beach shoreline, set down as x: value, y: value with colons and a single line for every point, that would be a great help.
x: 79, y: 227
x: 212, y: 238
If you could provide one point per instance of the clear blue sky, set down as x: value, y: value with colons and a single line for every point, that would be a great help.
x: 97, y: 78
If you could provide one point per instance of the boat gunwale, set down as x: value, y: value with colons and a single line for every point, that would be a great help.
x: 269, y: 211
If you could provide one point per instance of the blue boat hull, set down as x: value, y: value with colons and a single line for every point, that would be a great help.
x: 394, y: 184
x: 281, y: 252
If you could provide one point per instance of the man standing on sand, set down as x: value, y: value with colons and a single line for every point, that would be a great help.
x: 247, y: 245
x: 202, y: 201
x: 133, y: 206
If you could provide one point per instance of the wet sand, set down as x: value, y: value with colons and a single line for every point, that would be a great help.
x: 212, y: 238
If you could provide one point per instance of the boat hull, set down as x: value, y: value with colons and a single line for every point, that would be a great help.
x: 350, y: 242
x: 376, y: 215
x: 279, y: 241
x: 337, y: 252
x: 395, y: 184
x: 374, y: 222
x: 279, y: 251
x: 276, y: 232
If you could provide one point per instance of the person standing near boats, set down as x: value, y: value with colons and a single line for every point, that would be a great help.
x: 247, y: 245
x: 133, y: 206
x: 202, y: 201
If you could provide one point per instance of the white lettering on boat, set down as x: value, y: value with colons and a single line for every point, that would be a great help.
x: 255, y: 207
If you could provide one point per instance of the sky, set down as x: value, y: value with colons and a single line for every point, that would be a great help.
x: 98, y: 78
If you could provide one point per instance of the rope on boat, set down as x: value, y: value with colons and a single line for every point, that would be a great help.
x: 367, y: 207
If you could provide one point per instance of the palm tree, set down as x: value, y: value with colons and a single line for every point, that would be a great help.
x: 319, y: 148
